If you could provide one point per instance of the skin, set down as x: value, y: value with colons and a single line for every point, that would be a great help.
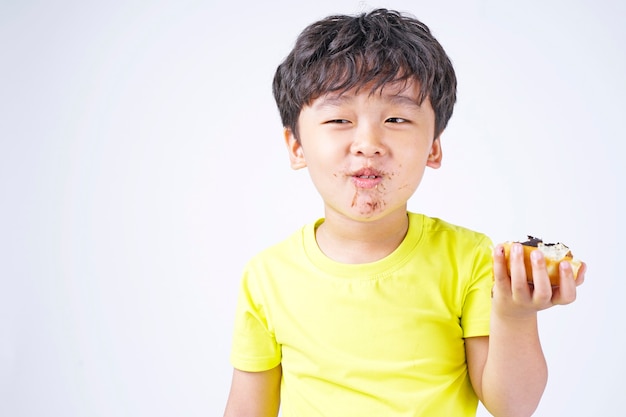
x: 386, y: 134
x: 366, y: 155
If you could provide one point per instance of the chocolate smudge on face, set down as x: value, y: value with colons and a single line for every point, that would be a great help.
x: 376, y: 205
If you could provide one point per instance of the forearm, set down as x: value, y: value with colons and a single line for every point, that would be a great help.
x: 254, y: 394
x: 515, y: 372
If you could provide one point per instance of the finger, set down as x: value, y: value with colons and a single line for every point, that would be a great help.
x: 580, y: 277
x: 542, y: 291
x: 567, y: 285
x: 519, y: 283
x: 500, y: 272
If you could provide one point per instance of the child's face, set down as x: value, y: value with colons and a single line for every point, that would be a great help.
x: 366, y: 153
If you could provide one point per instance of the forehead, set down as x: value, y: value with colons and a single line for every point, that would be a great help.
x: 405, y: 93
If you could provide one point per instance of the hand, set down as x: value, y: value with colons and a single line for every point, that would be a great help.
x: 514, y: 297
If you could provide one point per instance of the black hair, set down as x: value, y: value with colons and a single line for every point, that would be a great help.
x: 342, y: 52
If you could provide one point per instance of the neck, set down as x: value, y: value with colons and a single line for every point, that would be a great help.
x: 354, y: 242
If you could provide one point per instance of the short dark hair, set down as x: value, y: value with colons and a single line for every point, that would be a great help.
x: 343, y: 52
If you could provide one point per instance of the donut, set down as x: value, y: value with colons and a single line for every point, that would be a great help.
x: 554, y: 254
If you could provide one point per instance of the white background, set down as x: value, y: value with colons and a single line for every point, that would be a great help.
x: 142, y: 163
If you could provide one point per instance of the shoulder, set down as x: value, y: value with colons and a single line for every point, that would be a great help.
x: 436, y: 230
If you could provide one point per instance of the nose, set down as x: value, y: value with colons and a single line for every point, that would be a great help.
x: 368, y: 141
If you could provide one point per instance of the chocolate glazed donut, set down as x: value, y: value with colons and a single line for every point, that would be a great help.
x: 554, y: 254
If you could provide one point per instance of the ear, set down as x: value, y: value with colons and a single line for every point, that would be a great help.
x: 434, y: 158
x: 294, y: 148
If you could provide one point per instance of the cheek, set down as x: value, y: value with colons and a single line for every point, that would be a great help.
x: 408, y: 188
x: 410, y: 173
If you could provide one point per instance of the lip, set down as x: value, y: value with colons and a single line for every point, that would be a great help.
x: 367, y: 178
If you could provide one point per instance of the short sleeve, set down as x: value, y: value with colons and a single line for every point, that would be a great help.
x: 477, y: 304
x: 254, y: 347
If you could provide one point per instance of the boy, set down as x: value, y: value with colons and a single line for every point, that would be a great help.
x: 372, y: 310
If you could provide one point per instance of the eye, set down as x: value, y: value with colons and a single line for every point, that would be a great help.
x: 396, y: 120
x: 337, y: 121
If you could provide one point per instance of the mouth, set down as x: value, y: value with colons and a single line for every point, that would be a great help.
x: 367, y: 178
x: 367, y: 173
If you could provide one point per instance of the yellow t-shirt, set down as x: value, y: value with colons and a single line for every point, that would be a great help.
x: 378, y: 339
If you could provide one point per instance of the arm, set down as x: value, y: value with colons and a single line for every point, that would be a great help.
x: 508, y: 369
x: 254, y: 394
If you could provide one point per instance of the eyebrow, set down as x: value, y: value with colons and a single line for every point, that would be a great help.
x: 340, y: 99
x: 332, y: 101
